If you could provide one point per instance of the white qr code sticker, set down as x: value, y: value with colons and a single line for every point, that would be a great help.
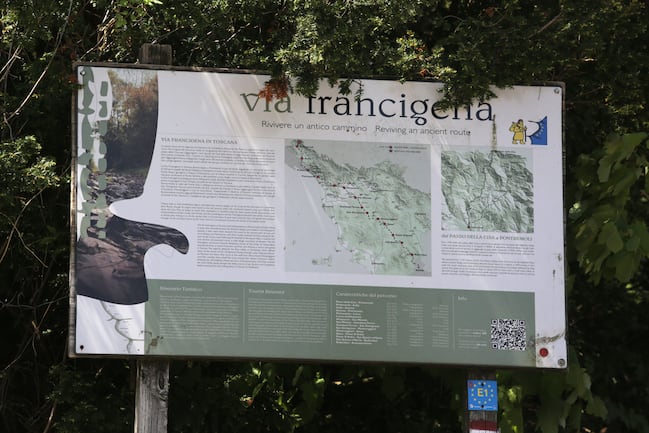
x: 508, y: 334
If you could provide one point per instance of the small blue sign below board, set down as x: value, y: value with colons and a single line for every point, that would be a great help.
x: 483, y: 395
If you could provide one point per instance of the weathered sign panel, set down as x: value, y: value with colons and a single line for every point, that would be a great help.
x: 375, y: 226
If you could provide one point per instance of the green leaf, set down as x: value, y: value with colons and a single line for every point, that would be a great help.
x: 573, y: 418
x: 616, y: 149
x: 258, y: 388
x: 597, y: 407
x: 625, y: 264
x: 640, y: 232
x: 631, y: 141
x: 610, y: 236
x: 551, y: 412
x: 604, y: 169
x: 604, y: 212
x: 623, y: 182
x: 511, y: 416
x: 549, y: 416
x: 632, y: 244
x: 579, y: 380
x: 298, y: 373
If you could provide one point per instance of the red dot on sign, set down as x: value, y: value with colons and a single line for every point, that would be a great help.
x: 544, y: 352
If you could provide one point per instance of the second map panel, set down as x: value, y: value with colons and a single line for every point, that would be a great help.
x: 487, y: 191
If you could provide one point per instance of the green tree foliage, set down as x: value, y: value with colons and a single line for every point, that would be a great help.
x: 609, y: 220
x: 598, y: 48
x: 33, y: 295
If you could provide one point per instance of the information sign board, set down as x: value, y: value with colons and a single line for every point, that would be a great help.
x: 375, y: 226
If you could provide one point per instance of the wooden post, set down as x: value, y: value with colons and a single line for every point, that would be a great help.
x: 482, y: 419
x: 154, y: 54
x: 151, y: 396
x: 152, y: 387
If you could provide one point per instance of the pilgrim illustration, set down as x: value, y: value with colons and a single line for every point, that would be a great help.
x: 116, y: 138
x: 538, y: 137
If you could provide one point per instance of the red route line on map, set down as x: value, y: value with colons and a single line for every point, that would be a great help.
x: 361, y: 206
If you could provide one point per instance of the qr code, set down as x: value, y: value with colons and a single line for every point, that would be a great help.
x: 508, y: 334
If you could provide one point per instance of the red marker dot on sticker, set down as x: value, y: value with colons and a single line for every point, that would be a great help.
x: 544, y: 352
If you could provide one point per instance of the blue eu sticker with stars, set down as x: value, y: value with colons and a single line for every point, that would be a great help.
x: 483, y: 395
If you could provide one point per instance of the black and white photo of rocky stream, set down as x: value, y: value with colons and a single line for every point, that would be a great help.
x: 110, y: 252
